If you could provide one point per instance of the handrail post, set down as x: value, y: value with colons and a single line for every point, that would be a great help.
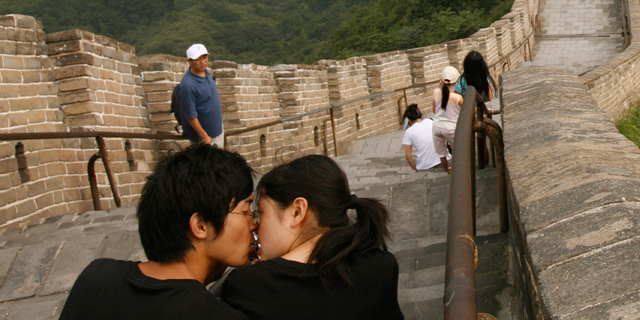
x: 333, y: 128
x: 494, y: 132
x: 104, y: 155
x: 93, y: 182
x: 480, y: 137
x: 404, y: 92
x: 400, y: 120
x: 326, y: 139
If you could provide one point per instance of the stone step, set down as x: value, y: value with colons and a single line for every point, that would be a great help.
x: 422, y: 272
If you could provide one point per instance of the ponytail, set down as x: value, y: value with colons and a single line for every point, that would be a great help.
x: 445, y: 96
x: 340, y: 245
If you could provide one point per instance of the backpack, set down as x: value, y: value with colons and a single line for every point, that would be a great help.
x: 175, y: 106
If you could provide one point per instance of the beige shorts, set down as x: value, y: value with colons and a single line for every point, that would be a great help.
x: 440, y: 138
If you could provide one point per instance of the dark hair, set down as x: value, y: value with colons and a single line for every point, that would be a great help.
x: 320, y: 180
x: 412, y: 112
x: 202, y: 179
x: 476, y: 72
x: 445, y: 96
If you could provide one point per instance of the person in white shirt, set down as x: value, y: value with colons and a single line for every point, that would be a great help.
x: 419, y: 135
x: 446, y: 118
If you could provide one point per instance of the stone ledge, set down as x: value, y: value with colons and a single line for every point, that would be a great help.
x: 574, y: 191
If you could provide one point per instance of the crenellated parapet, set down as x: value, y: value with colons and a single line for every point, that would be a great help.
x: 78, y: 81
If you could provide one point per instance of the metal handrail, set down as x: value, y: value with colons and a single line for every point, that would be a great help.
x: 101, y: 154
x: 460, y: 276
x: 330, y: 108
x: 461, y: 253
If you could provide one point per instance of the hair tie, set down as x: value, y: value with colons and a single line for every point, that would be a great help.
x: 352, y: 202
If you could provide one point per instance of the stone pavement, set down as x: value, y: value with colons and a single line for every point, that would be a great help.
x: 40, y: 259
x: 578, y: 35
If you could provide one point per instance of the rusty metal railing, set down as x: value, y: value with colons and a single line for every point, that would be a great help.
x: 101, y: 154
x: 461, y: 254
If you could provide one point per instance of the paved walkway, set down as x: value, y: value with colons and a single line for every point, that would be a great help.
x: 40, y: 259
x: 578, y: 35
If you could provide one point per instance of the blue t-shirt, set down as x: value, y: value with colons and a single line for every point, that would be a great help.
x: 199, y: 99
x: 461, y: 86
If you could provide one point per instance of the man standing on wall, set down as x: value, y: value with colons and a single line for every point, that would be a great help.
x: 199, y: 100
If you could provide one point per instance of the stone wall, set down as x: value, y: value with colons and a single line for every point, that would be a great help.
x: 613, y: 84
x: 76, y: 81
x: 574, y: 192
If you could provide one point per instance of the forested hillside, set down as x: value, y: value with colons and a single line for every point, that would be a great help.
x: 268, y: 31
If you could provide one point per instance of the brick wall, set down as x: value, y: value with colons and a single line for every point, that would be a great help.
x: 78, y: 81
x: 614, y: 84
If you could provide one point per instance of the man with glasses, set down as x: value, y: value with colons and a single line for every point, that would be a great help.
x: 199, y: 100
x: 194, y: 220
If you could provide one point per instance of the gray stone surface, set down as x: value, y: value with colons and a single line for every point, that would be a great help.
x: 6, y: 259
x: 593, y: 278
x: 27, y: 271
x: 574, y: 184
x: 584, y: 232
x: 122, y: 245
x: 76, y: 254
x: 578, y: 35
x: 625, y: 307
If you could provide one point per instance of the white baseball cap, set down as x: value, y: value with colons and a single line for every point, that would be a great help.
x: 450, y: 74
x: 196, y: 50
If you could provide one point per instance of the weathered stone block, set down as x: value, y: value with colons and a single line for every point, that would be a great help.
x: 34, y: 62
x: 158, y: 76
x: 106, y: 41
x: 7, y: 47
x: 75, y: 59
x: 158, y: 86
x: 107, y: 75
x: 74, y: 84
x: 84, y: 120
x: 49, y: 89
x: 18, y: 119
x: 159, y: 96
x: 77, y: 96
x: 73, y: 46
x: 73, y: 71
x: 67, y: 35
x: 57, y: 169
x: 25, y: 48
x: 82, y: 108
x: 27, y: 22
x: 8, y: 21
x: 9, y: 196
x: 13, y: 62
x: 37, y: 117
x: 8, y: 165
x: 128, y: 90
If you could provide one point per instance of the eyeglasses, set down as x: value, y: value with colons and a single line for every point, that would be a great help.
x: 255, y: 215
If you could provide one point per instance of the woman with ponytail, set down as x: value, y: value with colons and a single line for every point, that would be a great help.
x: 316, y: 262
x: 446, y: 106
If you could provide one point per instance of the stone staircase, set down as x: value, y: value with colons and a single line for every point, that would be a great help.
x: 40, y: 259
x: 418, y: 205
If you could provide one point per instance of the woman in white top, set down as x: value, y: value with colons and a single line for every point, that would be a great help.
x: 444, y: 122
